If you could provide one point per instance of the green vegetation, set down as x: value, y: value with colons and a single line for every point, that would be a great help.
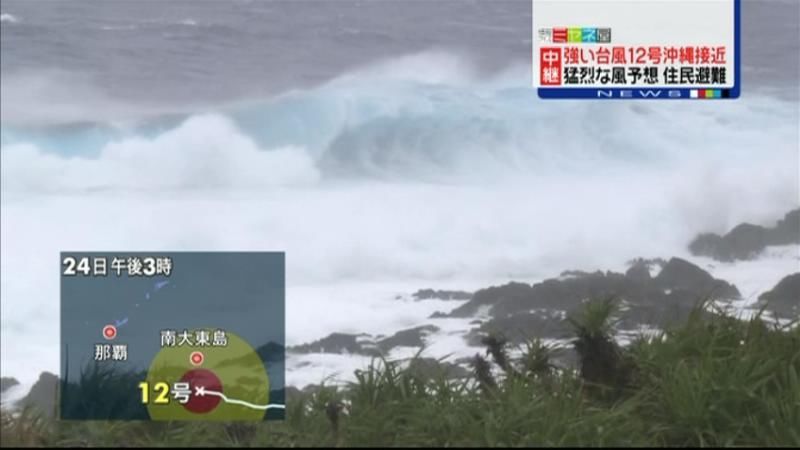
x: 711, y: 381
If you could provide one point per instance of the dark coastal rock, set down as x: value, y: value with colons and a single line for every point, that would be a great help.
x: 658, y: 298
x: 338, y: 343
x: 564, y: 294
x: 712, y: 245
x: 492, y: 296
x: 521, y: 327
x: 787, y: 230
x: 679, y: 281
x: 639, y: 268
x: 414, y: 337
x: 681, y: 275
x: 427, y: 294
x: 747, y: 241
x: 673, y: 309
x: 743, y: 242
x: 784, y: 298
x: 43, y: 395
x: 7, y: 382
x: 365, y: 344
x: 638, y: 272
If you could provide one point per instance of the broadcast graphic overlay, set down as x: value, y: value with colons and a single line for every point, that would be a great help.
x: 172, y: 336
x: 643, y: 49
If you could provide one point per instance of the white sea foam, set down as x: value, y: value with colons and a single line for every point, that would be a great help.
x: 377, y: 186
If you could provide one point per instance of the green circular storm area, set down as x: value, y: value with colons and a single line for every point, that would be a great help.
x: 224, y: 383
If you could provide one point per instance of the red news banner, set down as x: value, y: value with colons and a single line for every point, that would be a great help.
x: 631, y: 65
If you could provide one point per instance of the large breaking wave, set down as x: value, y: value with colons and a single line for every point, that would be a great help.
x: 398, y: 122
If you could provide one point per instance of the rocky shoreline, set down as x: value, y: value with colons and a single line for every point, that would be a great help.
x: 521, y: 311
x: 747, y: 241
x: 652, y: 293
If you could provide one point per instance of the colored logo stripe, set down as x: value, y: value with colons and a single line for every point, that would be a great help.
x: 708, y: 93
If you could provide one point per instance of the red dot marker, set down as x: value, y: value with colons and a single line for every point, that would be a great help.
x: 208, y: 380
x: 196, y: 358
x: 109, y: 332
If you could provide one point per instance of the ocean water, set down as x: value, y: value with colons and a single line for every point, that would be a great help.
x: 384, y: 146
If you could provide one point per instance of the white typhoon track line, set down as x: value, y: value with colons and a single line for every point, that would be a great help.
x: 202, y: 392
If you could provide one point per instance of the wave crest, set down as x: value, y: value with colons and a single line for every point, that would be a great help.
x: 203, y: 152
x: 394, y: 122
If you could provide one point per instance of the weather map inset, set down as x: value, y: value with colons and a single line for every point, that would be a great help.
x: 172, y: 336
